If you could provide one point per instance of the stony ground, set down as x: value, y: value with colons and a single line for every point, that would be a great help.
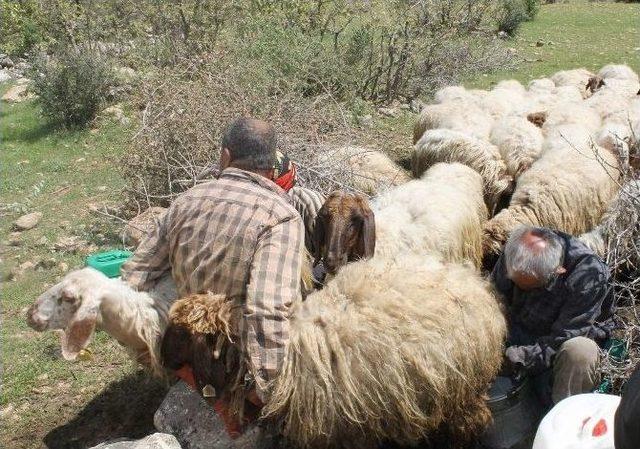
x: 48, y: 402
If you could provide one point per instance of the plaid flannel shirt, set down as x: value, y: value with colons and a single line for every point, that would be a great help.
x: 236, y: 236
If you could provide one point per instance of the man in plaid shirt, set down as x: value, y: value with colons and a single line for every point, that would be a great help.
x: 238, y: 236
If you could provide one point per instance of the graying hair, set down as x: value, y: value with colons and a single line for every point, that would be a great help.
x: 541, y: 264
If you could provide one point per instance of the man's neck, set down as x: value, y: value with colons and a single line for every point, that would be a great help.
x: 268, y: 174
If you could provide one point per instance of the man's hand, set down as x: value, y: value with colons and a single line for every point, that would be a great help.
x: 513, y: 363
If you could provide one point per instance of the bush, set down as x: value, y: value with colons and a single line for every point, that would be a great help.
x: 512, y: 14
x: 72, y: 87
x: 532, y: 7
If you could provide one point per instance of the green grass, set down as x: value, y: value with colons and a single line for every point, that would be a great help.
x: 576, y: 34
x: 59, y: 172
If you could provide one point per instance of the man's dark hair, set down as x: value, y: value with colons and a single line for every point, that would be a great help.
x: 251, y: 143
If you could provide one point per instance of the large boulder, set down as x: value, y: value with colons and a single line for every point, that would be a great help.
x: 195, y: 424
x: 154, y: 441
x: 140, y: 226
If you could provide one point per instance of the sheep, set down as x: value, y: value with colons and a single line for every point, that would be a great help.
x: 502, y: 99
x: 86, y: 300
x: 519, y: 142
x: 570, y: 113
x: 577, y: 78
x: 614, y: 136
x: 568, y: 188
x: 371, y: 170
x: 451, y: 93
x: 538, y: 118
x: 390, y: 349
x: 609, y: 104
x: 618, y: 71
x: 541, y: 85
x: 594, y: 83
x: 444, y: 145
x: 461, y: 115
x: 415, y: 217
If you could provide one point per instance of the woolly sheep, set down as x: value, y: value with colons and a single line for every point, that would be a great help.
x: 609, y: 104
x: 568, y: 188
x: 390, y: 349
x: 541, y: 85
x: 444, y: 145
x: 464, y: 116
x: 86, y: 300
x: 614, y: 136
x: 618, y: 71
x: 451, y: 93
x: 577, y: 77
x: 519, y: 142
x: 502, y: 99
x: 570, y: 113
x: 371, y: 170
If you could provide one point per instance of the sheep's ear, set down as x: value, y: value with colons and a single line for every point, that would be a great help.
x: 318, y: 238
x: 78, y: 333
x: 366, y: 244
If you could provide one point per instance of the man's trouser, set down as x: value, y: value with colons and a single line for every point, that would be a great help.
x: 575, y: 368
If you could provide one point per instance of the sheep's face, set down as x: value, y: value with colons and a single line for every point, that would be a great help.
x: 55, y: 308
x: 70, y: 305
x: 344, y: 230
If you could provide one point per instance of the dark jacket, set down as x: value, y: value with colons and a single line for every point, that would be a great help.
x: 576, y: 303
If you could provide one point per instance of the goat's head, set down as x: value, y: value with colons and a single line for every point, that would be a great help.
x: 72, y: 305
x: 198, y: 335
x: 344, y: 231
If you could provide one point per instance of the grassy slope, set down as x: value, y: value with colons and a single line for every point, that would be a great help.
x: 576, y: 34
x: 57, y: 173
x: 79, y: 404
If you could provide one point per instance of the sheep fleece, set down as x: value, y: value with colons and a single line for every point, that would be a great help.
x: 389, y: 350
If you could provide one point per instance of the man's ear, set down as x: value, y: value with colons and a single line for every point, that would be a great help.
x: 78, y: 333
x: 225, y: 158
x: 561, y: 270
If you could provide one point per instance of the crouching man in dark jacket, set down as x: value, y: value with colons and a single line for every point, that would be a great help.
x: 559, y: 305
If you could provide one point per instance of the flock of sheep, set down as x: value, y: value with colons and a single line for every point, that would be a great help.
x: 410, y: 326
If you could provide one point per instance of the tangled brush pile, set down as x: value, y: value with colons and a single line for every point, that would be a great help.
x: 389, y: 350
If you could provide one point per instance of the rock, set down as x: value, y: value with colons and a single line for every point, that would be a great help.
x: 503, y: 35
x: 28, y: 221
x: 16, y: 94
x: 366, y: 120
x: 154, y: 441
x: 101, y: 188
x: 62, y: 266
x: 6, y: 63
x: 81, y: 159
x: 195, y: 424
x: 14, y: 239
x: 116, y: 113
x: 4, y: 76
x: 42, y: 241
x: 539, y: 44
x: 23, y: 81
x: 69, y: 244
x: 142, y: 225
x: 46, y: 264
x: 18, y: 271
x: 388, y: 112
x: 416, y: 106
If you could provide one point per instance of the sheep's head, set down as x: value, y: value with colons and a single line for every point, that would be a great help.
x: 594, y: 83
x: 344, y: 230
x: 538, y: 118
x: 71, y: 305
x: 198, y: 335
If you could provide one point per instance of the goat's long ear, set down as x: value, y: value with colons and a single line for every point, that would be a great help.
x: 366, y: 245
x: 80, y: 329
x: 318, y: 237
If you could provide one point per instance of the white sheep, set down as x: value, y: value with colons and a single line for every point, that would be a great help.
x: 614, y: 136
x: 371, y: 170
x: 572, y: 114
x: 86, y: 300
x: 618, y: 71
x: 541, y: 85
x: 444, y: 145
x: 459, y: 115
x: 390, y: 349
x: 576, y: 77
x: 610, y: 104
x: 418, y: 216
x: 519, y: 142
x: 568, y: 188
